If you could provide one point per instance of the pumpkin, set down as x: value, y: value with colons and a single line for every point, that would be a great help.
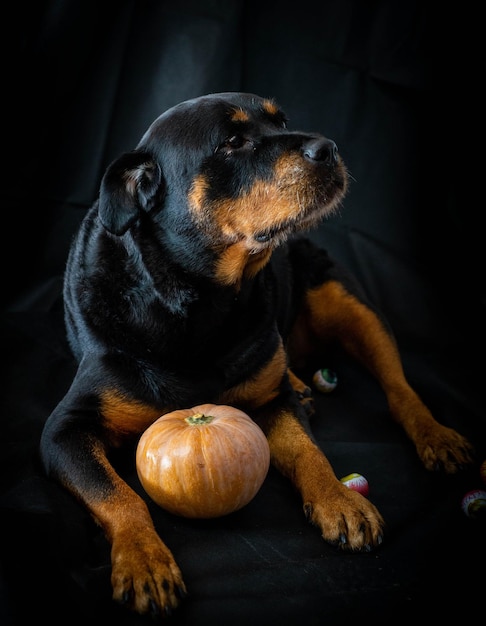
x: 203, y: 462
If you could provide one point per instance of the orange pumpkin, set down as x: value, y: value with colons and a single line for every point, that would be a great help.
x: 203, y: 462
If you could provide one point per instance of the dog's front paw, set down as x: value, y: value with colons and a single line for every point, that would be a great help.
x: 347, y: 519
x: 145, y: 576
x: 443, y: 449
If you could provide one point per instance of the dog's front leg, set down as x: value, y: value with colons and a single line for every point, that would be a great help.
x: 144, y: 573
x: 333, y: 309
x: 345, y: 517
x: 145, y: 576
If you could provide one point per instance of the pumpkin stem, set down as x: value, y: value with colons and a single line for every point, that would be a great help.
x: 199, y: 418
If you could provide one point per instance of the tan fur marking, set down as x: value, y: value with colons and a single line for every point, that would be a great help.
x: 271, y: 203
x: 294, y: 453
x: 298, y: 385
x: 197, y: 194
x: 262, y: 388
x: 270, y: 107
x: 240, y: 116
x: 236, y: 262
x: 335, y: 312
x: 124, y: 416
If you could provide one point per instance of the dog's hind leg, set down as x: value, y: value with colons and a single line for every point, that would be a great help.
x: 330, y: 310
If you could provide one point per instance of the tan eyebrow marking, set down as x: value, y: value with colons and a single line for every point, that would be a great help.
x: 270, y: 107
x: 240, y: 116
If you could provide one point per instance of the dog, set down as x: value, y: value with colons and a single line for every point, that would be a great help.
x: 197, y: 244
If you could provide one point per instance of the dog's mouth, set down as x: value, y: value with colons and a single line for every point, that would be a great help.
x: 304, y: 208
x: 297, y: 196
x: 304, y: 221
x: 243, y: 231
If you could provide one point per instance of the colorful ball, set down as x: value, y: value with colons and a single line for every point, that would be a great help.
x: 356, y: 482
x: 474, y: 504
x: 325, y: 380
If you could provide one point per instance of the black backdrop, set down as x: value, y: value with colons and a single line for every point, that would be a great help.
x: 399, y: 86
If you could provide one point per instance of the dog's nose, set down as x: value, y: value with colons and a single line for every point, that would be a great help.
x: 321, y: 149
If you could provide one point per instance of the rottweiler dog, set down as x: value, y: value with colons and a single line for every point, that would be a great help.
x: 196, y: 246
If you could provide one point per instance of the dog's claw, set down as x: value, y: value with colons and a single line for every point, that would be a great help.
x: 154, y: 609
x: 180, y: 592
x: 442, y: 449
x: 308, y: 511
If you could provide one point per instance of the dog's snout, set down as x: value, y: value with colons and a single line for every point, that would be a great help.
x: 321, y: 149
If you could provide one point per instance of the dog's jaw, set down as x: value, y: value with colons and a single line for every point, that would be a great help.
x: 244, y: 231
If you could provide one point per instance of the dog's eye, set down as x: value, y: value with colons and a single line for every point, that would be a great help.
x: 234, y: 142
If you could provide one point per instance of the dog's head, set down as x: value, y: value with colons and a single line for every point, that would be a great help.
x: 222, y: 174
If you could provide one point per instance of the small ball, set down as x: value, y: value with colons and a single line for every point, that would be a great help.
x: 474, y: 504
x: 356, y: 482
x: 325, y: 380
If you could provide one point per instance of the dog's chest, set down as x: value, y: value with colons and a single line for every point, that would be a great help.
x: 237, y: 329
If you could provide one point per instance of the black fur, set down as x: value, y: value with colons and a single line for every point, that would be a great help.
x: 186, y: 284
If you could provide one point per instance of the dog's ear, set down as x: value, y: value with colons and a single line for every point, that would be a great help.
x: 131, y: 184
